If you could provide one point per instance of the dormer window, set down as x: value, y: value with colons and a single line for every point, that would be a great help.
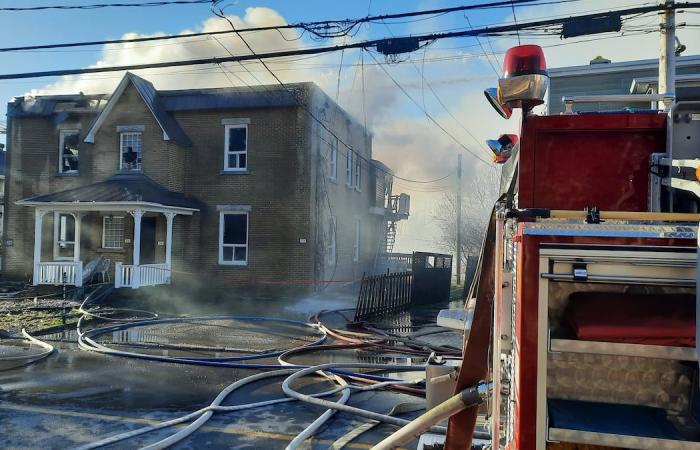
x: 68, y: 151
x: 130, y: 151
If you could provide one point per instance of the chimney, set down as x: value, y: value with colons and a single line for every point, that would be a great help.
x: 600, y: 60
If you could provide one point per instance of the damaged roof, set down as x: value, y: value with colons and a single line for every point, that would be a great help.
x: 60, y: 108
x: 123, y: 187
x: 171, y: 129
x: 166, y: 101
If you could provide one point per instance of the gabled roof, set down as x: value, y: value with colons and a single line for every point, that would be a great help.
x: 120, y: 188
x: 171, y: 129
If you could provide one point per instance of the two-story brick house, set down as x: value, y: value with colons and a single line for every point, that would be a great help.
x: 233, y: 185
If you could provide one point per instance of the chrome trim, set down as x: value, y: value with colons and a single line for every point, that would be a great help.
x: 523, y: 88
x: 569, y: 100
x: 620, y: 279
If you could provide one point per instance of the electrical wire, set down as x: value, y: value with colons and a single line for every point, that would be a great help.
x: 106, y: 5
x: 318, y: 25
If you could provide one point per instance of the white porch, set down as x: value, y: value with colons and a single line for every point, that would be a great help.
x: 71, y: 269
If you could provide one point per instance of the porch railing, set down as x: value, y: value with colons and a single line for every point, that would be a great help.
x: 53, y: 273
x: 127, y: 275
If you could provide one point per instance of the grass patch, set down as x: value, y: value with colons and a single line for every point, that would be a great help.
x: 35, y: 320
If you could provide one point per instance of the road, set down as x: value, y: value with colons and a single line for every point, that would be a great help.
x: 76, y: 397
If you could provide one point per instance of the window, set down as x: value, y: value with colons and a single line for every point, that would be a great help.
x: 358, y: 173
x: 113, y: 232
x: 356, y: 246
x: 130, y: 149
x: 330, y: 253
x: 348, y: 168
x: 333, y: 159
x: 64, y: 236
x: 233, y: 238
x: 68, y: 151
x: 236, y: 148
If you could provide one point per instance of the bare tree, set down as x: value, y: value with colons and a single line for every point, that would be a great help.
x: 478, y: 197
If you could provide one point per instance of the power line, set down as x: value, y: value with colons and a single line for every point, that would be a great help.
x: 106, y: 5
x: 360, y: 44
x: 515, y: 19
x: 317, y: 26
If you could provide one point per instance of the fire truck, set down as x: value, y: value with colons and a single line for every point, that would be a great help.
x: 584, y: 309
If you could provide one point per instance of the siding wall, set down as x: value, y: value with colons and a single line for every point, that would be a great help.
x: 595, y: 83
x: 333, y: 198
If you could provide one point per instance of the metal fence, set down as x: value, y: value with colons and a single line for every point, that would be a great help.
x: 383, y: 293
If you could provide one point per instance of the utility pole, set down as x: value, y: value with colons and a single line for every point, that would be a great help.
x: 667, y: 56
x: 459, y: 219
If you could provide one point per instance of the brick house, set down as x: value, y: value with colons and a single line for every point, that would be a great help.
x: 146, y: 186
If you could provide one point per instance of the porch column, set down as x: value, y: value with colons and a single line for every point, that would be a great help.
x: 76, y: 250
x: 136, y: 274
x: 169, y: 216
x: 138, y: 214
x: 38, y: 220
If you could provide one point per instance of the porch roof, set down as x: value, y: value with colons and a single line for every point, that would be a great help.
x: 118, y: 192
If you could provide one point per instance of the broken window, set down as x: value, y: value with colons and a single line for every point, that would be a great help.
x: 130, y: 149
x: 236, y: 148
x: 233, y: 238
x: 68, y: 151
x: 64, y: 236
x: 113, y: 232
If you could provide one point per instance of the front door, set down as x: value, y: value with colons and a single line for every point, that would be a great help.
x: 148, y: 240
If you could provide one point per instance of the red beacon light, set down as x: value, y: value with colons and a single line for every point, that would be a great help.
x: 525, y: 79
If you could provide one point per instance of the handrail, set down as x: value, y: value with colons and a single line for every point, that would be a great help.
x: 129, y: 275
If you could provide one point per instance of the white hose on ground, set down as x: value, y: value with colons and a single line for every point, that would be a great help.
x: 31, y: 358
x: 286, y: 387
x: 323, y: 418
x: 214, y: 406
x: 205, y: 413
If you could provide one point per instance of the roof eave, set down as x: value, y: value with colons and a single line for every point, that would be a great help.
x: 94, y: 206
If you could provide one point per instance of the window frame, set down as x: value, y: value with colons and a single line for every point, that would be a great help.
x: 61, y: 139
x: 121, y: 150
x: 57, y: 242
x: 358, y: 173
x: 356, y: 245
x: 222, y: 262
x: 227, y: 152
x: 333, y: 159
x: 331, y: 256
x: 104, y: 223
x: 349, y: 169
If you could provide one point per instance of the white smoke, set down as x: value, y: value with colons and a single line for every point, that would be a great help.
x: 403, y: 137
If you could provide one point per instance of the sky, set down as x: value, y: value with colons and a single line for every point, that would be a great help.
x: 445, y: 79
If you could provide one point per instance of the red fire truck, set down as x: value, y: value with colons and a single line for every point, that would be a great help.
x: 585, y: 308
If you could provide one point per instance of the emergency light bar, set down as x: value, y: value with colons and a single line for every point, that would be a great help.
x: 525, y: 78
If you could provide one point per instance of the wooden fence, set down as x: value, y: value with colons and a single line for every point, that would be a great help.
x: 383, y: 293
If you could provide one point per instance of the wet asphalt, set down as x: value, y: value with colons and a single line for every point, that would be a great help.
x: 75, y: 397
